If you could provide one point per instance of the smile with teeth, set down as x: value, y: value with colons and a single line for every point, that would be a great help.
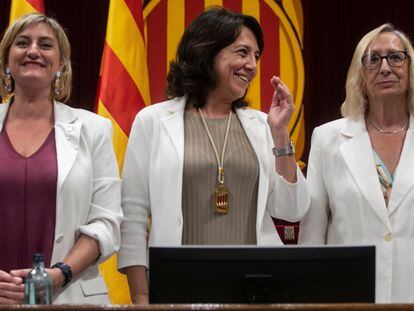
x: 33, y: 64
x: 242, y: 77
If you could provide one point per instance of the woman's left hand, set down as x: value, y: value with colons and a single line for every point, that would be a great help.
x: 278, y: 119
x: 282, y: 107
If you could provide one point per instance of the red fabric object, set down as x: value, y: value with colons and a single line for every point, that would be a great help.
x: 288, y: 231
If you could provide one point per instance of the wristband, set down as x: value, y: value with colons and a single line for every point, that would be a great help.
x: 66, y: 270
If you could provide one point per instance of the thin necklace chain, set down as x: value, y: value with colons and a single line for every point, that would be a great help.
x: 220, y: 162
x: 382, y: 131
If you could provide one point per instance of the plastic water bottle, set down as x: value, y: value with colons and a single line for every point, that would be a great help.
x: 38, y: 285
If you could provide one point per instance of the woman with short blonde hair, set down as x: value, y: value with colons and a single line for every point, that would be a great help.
x: 360, y: 167
x: 59, y: 184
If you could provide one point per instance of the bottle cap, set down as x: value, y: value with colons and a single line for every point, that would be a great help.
x: 38, y: 257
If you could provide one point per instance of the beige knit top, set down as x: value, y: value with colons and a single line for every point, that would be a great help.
x: 202, y: 225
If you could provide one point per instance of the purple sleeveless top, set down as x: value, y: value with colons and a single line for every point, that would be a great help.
x: 27, y: 203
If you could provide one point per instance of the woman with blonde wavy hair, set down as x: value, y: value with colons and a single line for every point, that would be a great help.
x: 360, y: 167
x: 59, y: 184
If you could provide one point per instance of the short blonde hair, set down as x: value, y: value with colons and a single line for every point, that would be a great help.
x: 356, y: 101
x: 64, y: 48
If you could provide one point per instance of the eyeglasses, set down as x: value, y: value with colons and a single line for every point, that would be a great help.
x: 394, y: 59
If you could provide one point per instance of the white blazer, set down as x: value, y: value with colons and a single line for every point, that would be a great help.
x: 152, y: 181
x: 348, y: 207
x: 88, y: 195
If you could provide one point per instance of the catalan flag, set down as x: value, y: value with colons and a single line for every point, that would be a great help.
x: 122, y: 91
x: 21, y: 7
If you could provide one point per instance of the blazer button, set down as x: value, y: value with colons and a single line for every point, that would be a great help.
x: 59, y: 238
x: 388, y: 237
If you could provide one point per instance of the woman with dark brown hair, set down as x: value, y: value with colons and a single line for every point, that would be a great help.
x: 201, y: 163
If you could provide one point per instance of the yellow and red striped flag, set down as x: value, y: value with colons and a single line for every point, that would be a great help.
x: 122, y: 91
x: 21, y: 7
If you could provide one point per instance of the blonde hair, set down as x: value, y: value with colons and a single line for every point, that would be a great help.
x: 356, y: 100
x: 64, y: 48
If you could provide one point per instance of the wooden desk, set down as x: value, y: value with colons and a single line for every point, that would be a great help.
x: 216, y: 307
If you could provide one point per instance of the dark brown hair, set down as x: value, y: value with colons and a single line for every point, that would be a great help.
x: 192, y: 72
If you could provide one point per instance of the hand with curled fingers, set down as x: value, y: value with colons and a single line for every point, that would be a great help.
x: 278, y: 118
x: 55, y: 274
x: 11, y: 289
x: 282, y: 107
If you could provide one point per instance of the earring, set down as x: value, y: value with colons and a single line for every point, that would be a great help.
x: 8, y: 81
x: 57, y: 88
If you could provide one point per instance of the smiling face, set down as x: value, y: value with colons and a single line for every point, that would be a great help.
x: 386, y: 81
x: 235, y: 66
x: 34, y: 57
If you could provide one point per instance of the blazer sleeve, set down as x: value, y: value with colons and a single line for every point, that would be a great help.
x: 105, y: 214
x: 291, y: 199
x: 288, y: 201
x: 135, y: 197
x: 313, y: 227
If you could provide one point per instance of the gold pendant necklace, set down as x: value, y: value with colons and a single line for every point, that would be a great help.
x: 221, y: 197
x: 221, y: 193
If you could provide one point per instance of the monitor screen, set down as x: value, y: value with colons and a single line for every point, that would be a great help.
x: 287, y: 274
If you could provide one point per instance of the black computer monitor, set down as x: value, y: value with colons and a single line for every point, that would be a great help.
x: 288, y: 274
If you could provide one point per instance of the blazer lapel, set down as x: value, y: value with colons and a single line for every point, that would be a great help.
x: 174, y: 124
x: 358, y: 156
x: 404, y: 180
x: 256, y: 133
x: 67, y: 136
x: 3, y: 112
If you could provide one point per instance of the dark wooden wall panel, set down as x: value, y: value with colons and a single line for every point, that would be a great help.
x: 332, y: 31
x: 85, y: 23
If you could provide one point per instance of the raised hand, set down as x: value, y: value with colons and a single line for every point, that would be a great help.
x: 278, y: 119
x: 282, y: 107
